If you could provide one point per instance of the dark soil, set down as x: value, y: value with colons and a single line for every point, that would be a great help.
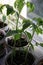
x: 2, y: 24
x: 19, y: 43
x: 19, y: 59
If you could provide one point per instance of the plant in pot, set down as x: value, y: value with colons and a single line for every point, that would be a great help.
x: 21, y: 56
x: 2, y: 42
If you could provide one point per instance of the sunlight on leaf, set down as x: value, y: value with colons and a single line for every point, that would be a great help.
x: 38, y: 30
x: 17, y: 36
x: 19, y: 5
x: 10, y: 9
x: 30, y: 6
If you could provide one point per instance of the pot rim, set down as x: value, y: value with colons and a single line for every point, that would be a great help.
x: 12, y: 46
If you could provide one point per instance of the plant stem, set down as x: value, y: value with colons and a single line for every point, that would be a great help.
x: 17, y: 21
x: 28, y: 46
x: 17, y: 25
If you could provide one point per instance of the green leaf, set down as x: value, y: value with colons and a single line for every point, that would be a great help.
x: 10, y: 9
x: 19, y: 5
x: 17, y: 36
x: 41, y: 44
x: 32, y: 46
x: 4, y: 18
x: 31, y: 6
x: 11, y: 32
x: 34, y: 27
x: 38, y: 30
x: 39, y: 21
x: 29, y: 35
x: 26, y: 24
x: 1, y: 7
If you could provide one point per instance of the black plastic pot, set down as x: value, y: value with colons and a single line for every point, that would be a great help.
x: 2, y: 42
x: 4, y: 26
x: 38, y: 61
x: 19, y: 43
x: 19, y: 58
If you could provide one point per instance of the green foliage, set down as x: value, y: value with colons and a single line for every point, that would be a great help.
x: 39, y: 21
x: 17, y: 36
x: 11, y: 32
x: 34, y: 26
x: 26, y: 24
x: 37, y: 29
x: 41, y: 44
x: 19, y: 5
x: 29, y: 35
x: 32, y: 46
x: 10, y: 9
x: 31, y: 6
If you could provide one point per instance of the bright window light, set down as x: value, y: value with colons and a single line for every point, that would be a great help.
x: 11, y: 2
